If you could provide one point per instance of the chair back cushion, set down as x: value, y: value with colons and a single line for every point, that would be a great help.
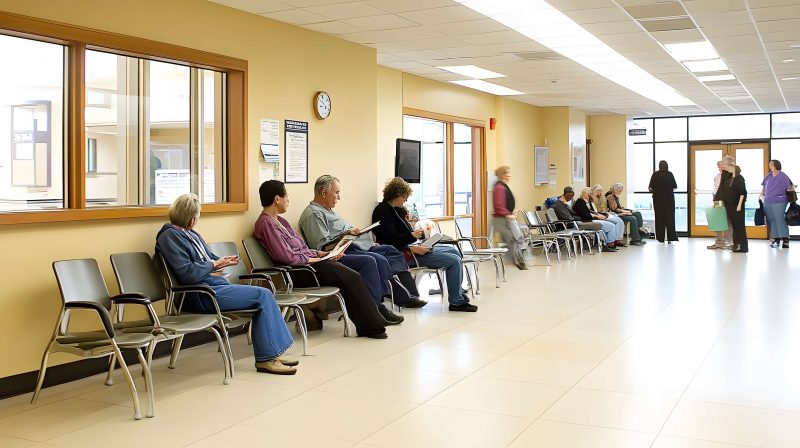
x: 136, y: 272
x: 81, y: 280
x: 257, y: 255
x: 224, y: 249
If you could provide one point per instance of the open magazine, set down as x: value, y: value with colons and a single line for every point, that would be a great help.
x: 333, y: 242
x: 431, y: 240
x: 341, y: 247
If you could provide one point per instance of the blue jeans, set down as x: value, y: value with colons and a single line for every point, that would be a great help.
x: 270, y: 336
x: 447, y: 258
x: 609, y: 229
x: 618, y: 224
x: 372, y: 272
x: 776, y: 219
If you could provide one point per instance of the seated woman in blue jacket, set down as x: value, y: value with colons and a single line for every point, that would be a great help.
x: 192, y: 262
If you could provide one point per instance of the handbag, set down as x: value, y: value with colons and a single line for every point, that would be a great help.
x: 793, y: 214
x: 791, y: 195
x: 717, y: 219
x: 758, y: 218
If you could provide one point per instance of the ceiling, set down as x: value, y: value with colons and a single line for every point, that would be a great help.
x: 753, y: 37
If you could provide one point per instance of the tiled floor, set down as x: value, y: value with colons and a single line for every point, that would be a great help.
x: 659, y: 346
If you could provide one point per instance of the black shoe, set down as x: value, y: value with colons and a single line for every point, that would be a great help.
x: 775, y: 243
x: 413, y: 302
x: 390, y: 317
x: 464, y: 307
x: 377, y: 335
x: 785, y: 244
x: 739, y: 249
x: 638, y: 243
x: 607, y: 249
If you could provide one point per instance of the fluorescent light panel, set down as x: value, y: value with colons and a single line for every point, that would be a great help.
x: 692, y: 51
x: 548, y: 26
x: 716, y: 78
x: 488, y: 87
x: 472, y: 71
x: 711, y: 65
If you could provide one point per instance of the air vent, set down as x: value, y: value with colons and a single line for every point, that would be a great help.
x: 539, y: 56
x: 665, y: 9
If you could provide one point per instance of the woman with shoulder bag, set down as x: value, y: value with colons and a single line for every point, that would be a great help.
x: 776, y: 188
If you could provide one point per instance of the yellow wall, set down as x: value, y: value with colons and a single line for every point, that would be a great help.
x: 286, y: 66
x: 607, y: 155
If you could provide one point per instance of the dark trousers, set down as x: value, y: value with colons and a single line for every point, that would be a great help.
x: 739, y: 230
x: 360, y: 307
x: 373, y: 273
x: 664, y: 209
x: 390, y: 262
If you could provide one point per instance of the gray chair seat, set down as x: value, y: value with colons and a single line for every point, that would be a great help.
x: 317, y: 291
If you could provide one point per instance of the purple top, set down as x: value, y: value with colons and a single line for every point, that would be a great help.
x: 282, y: 243
x: 775, y: 187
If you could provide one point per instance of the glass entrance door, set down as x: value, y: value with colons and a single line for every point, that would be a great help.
x: 752, y: 158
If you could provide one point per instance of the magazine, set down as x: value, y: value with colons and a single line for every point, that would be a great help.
x: 431, y: 240
x: 337, y: 250
x: 333, y: 242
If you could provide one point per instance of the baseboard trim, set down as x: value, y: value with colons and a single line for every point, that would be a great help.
x: 25, y: 382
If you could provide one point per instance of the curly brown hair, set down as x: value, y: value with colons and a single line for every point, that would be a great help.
x: 395, y: 188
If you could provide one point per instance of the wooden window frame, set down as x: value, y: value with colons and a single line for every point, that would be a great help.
x: 78, y: 40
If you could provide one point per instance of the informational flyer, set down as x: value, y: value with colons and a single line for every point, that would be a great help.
x: 170, y: 184
x: 270, y: 138
x: 296, y: 151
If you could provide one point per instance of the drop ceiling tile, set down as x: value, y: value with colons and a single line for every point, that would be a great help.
x: 782, y: 36
x: 422, y: 56
x: 731, y: 18
x: 382, y: 22
x: 346, y: 10
x: 776, y: 13
x: 678, y: 36
x: 663, y: 9
x: 597, y: 15
x: 332, y: 27
x: 516, y: 47
x: 419, y: 44
x: 768, y: 3
x: 465, y: 52
x: 773, y: 26
x: 307, y: 3
x: 395, y: 6
x: 701, y: 6
x: 388, y: 57
x: 296, y: 17
x: 499, y: 37
x: 471, y: 27
x: 448, y: 14
x: 255, y: 6
x: 609, y: 28
x: 412, y: 33
x: 367, y: 37
x: 668, y: 24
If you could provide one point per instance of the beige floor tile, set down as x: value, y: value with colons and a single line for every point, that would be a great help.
x: 734, y: 424
x: 247, y: 436
x: 406, y: 385
x: 633, y: 412
x: 231, y: 403
x: 566, y: 435
x: 165, y: 384
x: 426, y: 357
x: 164, y: 430
x: 45, y: 422
x: 13, y: 442
x: 679, y: 442
x: 433, y: 426
x: 584, y: 336
x: 505, y: 329
x: 495, y: 396
x: 480, y: 341
x: 536, y: 370
x: 564, y: 350
x: 342, y: 417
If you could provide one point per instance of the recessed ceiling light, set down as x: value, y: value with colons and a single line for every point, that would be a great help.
x: 548, y: 26
x: 488, y: 87
x: 794, y: 46
x: 711, y: 65
x: 791, y: 78
x: 788, y: 60
x: 715, y: 78
x: 472, y: 71
x: 692, y: 51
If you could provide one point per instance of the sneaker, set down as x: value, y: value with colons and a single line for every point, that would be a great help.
x: 275, y: 367
x: 414, y: 302
x: 522, y: 266
x: 775, y: 243
x: 727, y: 247
x: 287, y: 361
x: 714, y: 246
x: 785, y: 244
x: 390, y: 317
x: 464, y: 307
x: 637, y: 243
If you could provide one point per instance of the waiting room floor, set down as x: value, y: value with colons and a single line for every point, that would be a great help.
x: 656, y: 346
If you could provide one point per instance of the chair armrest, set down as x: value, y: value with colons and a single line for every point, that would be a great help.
x: 134, y: 298
x: 204, y: 290
x: 105, y: 318
x: 259, y: 276
x: 289, y: 268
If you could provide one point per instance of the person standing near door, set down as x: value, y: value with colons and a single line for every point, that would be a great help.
x: 723, y: 238
x: 733, y: 191
x: 775, y: 186
x: 663, y: 186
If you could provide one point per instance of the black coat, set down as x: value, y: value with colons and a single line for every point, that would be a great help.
x: 394, y: 229
x: 662, y: 184
x: 581, y: 208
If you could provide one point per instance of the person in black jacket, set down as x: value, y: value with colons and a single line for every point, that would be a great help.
x: 398, y: 232
x: 663, y: 185
x: 733, y: 191
x: 585, y: 214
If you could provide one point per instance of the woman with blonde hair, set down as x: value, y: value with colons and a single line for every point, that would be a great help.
x: 598, y: 204
x: 504, y: 220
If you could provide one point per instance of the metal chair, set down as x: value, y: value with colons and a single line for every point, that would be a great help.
x: 263, y: 264
x: 495, y: 252
x: 574, y: 226
x: 445, y: 225
x: 82, y: 286
x: 565, y: 237
x: 286, y: 301
x: 137, y: 275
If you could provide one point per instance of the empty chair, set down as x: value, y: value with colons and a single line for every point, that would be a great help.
x: 81, y: 285
x: 137, y: 275
x: 469, y: 248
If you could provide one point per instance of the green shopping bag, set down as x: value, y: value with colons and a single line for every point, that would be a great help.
x: 717, y: 219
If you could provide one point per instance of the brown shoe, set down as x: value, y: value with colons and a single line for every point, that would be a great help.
x: 287, y: 361
x: 275, y: 367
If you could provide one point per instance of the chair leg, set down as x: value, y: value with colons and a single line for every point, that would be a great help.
x: 300, y: 317
x: 397, y: 281
x: 137, y: 412
x: 148, y: 379
x: 176, y: 348
x: 228, y: 350
x: 250, y: 333
x: 497, y: 279
x: 112, y: 362
x: 391, y: 291
x: 42, y: 371
x: 347, y: 331
x: 223, y: 352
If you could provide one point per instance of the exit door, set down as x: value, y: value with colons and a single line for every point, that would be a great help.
x: 752, y: 158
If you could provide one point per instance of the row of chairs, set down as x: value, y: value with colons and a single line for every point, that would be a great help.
x: 545, y: 230
x: 146, y: 281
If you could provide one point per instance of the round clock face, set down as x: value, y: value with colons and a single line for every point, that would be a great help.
x: 322, y: 105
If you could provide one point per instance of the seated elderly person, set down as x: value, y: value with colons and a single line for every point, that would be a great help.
x: 598, y: 204
x: 191, y: 260
x: 320, y: 225
x: 564, y: 211
x: 582, y: 210
x: 627, y: 215
x: 285, y: 246
x: 396, y: 230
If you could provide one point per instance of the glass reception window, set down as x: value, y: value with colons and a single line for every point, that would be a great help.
x: 32, y: 117
x: 670, y: 129
x: 729, y: 127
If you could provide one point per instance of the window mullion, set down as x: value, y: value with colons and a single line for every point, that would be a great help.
x: 75, y: 127
x: 450, y: 183
x: 195, y: 134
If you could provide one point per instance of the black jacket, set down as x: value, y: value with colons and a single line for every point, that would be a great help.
x: 730, y: 190
x: 394, y: 229
x: 581, y: 208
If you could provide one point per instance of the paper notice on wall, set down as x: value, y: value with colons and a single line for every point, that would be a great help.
x: 170, y: 184
x: 553, y: 175
x: 296, y: 151
x: 269, y: 140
